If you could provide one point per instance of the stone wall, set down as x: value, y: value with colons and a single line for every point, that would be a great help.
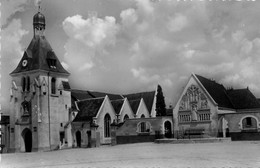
x: 129, y: 132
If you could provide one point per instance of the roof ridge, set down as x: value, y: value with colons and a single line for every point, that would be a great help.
x: 117, y: 100
x: 95, y: 98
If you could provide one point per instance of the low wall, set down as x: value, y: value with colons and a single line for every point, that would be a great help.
x: 134, y: 139
x: 245, y: 136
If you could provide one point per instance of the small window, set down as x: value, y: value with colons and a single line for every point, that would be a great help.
x: 28, y: 83
x: 248, y: 121
x: 23, y: 83
x: 53, y: 86
x: 126, y: 117
x: 144, y: 127
x: 142, y: 116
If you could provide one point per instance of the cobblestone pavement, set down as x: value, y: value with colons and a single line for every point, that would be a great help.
x: 228, y: 154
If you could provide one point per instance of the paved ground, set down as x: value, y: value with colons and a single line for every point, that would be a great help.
x: 228, y: 154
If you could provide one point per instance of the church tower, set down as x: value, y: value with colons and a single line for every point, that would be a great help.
x: 40, y: 96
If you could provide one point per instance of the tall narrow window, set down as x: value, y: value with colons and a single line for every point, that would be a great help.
x: 28, y: 83
x: 107, y: 122
x: 23, y: 83
x: 143, y: 124
x: 53, y: 86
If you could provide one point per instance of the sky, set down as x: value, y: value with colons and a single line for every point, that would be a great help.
x: 128, y: 46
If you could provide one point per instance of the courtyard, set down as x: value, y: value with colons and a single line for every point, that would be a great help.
x: 227, y: 154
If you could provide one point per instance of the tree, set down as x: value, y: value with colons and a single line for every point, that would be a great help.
x: 160, y: 103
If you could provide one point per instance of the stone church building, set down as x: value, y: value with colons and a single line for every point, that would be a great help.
x: 46, y: 114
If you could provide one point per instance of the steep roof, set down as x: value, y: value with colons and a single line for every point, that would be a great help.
x: 77, y: 95
x: 36, y: 55
x: 88, y: 109
x: 148, y: 98
x: 134, y: 104
x: 66, y: 85
x: 103, y: 94
x: 216, y: 91
x: 243, y: 99
x: 117, y: 105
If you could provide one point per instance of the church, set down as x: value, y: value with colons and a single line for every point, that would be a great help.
x: 47, y: 114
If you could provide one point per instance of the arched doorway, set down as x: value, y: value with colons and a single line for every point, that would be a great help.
x: 78, y: 138
x: 223, y: 130
x: 27, y: 137
x: 168, y: 129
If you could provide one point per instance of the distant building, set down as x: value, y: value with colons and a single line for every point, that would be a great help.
x: 207, y: 109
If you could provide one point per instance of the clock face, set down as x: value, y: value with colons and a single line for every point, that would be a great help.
x: 24, y: 63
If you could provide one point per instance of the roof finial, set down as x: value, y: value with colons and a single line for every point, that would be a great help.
x: 38, y: 4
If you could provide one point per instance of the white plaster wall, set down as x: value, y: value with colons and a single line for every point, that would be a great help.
x: 126, y: 109
x: 105, y: 109
x: 142, y: 110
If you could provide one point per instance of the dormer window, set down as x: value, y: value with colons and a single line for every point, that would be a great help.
x: 52, y: 63
x: 51, y: 59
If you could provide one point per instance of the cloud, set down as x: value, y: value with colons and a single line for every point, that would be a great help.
x: 11, y: 53
x: 177, y: 23
x: 9, y: 8
x: 164, y: 42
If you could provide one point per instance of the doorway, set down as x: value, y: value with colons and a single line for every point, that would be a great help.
x: 27, y: 137
x: 78, y: 138
x: 168, y: 129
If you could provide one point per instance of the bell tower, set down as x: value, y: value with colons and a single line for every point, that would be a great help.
x: 40, y: 96
x: 38, y: 23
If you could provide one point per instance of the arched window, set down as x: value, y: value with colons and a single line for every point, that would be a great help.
x: 107, y: 122
x: 23, y: 83
x: 143, y: 127
x: 249, y: 122
x: 143, y: 124
x: 126, y: 117
x: 28, y: 83
x: 53, y: 86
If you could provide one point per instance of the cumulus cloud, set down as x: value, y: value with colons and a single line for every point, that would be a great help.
x: 9, y: 8
x: 11, y: 53
x: 164, y: 42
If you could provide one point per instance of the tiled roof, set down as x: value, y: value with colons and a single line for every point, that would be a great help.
x: 243, y: 99
x: 117, y: 105
x: 4, y: 120
x: 134, y: 104
x: 88, y: 109
x: 148, y: 98
x: 79, y: 95
x: 36, y: 55
x: 216, y: 91
x: 102, y: 94
x: 66, y: 85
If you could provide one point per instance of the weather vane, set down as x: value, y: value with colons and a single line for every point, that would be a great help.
x: 38, y: 4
